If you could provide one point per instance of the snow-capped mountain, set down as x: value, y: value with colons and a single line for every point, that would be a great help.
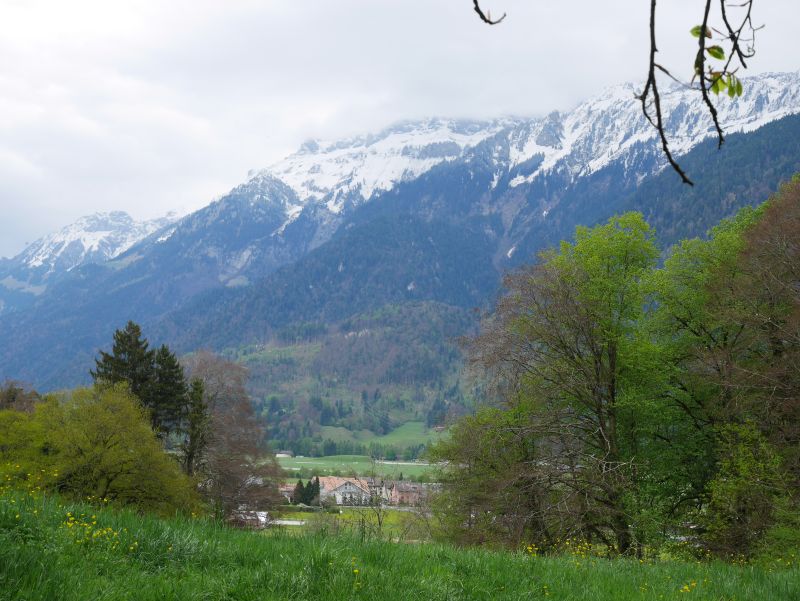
x: 91, y: 239
x: 355, y: 169
x: 432, y: 210
x: 297, y: 204
x: 611, y: 126
x: 235, y: 238
x: 605, y: 129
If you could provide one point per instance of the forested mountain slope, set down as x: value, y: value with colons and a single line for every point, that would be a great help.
x: 423, y: 212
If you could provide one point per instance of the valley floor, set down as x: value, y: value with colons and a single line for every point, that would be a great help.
x: 56, y: 550
x: 353, y: 465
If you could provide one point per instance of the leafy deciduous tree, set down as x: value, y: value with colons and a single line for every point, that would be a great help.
x: 729, y: 312
x: 197, y: 429
x: 99, y: 442
x: 561, y: 347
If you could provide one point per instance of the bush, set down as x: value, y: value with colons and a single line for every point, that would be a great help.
x: 97, y: 443
x: 743, y: 497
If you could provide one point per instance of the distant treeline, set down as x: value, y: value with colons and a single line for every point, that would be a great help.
x: 315, y: 448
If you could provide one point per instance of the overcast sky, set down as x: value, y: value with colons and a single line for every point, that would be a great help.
x: 149, y: 106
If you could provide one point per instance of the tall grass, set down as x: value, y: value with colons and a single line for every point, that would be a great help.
x: 142, y: 558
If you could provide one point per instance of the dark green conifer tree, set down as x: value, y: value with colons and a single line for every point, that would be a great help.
x: 167, y: 396
x: 197, y: 429
x: 299, y: 493
x: 130, y: 361
x: 154, y: 376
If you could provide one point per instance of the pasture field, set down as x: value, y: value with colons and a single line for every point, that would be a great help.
x: 353, y: 465
x: 119, y: 555
x: 408, y: 434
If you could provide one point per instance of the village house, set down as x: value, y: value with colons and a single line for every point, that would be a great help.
x: 408, y: 493
x: 380, y: 489
x: 286, y: 490
x: 335, y: 490
x: 344, y: 491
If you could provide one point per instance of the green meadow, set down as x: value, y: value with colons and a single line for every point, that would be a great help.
x: 395, y: 524
x: 353, y: 465
x: 56, y: 550
x: 406, y: 435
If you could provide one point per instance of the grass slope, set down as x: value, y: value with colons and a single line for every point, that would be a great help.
x: 113, y: 555
x: 410, y: 433
x: 406, y: 435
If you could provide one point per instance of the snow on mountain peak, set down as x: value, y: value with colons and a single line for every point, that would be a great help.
x: 603, y: 129
x: 355, y: 168
x: 90, y: 239
x: 611, y: 126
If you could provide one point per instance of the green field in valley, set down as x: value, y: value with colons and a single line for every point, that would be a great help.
x: 406, y: 435
x: 353, y: 465
x: 122, y: 555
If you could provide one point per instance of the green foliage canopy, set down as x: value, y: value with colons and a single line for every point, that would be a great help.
x: 96, y: 442
x: 632, y: 401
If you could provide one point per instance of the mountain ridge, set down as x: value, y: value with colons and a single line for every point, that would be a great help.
x: 95, y: 238
x: 575, y: 140
x: 254, y: 240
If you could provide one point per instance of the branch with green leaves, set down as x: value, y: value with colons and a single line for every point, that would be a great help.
x: 721, y: 52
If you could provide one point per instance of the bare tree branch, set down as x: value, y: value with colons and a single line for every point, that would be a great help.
x: 486, y: 17
x: 651, y: 90
x: 741, y: 38
x: 699, y: 65
x: 735, y: 36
